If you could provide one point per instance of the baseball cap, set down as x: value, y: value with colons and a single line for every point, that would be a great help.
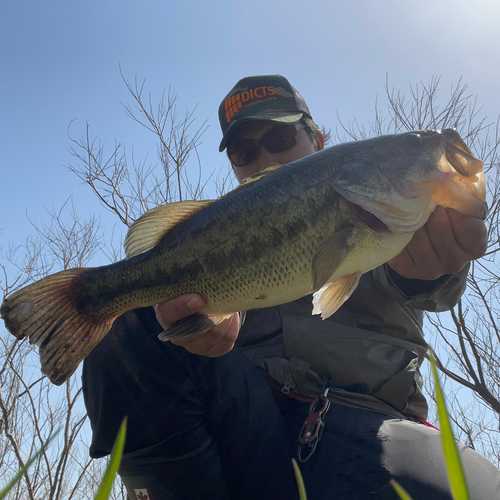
x: 264, y: 97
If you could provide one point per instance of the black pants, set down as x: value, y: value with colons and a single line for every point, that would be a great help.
x: 202, y: 428
x: 198, y: 428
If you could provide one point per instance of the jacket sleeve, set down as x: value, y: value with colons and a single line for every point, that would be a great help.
x: 434, y: 296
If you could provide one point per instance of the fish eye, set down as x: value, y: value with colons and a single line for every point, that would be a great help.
x: 414, y: 140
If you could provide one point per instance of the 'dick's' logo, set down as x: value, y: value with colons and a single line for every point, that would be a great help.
x: 234, y: 103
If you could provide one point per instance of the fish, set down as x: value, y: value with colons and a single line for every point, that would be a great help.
x: 313, y: 226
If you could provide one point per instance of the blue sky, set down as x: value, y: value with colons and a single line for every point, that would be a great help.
x: 59, y: 62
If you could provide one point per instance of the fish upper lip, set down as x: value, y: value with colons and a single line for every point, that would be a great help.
x: 453, y: 137
x: 459, y: 155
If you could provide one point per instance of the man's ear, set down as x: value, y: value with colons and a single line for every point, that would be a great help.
x: 320, y: 141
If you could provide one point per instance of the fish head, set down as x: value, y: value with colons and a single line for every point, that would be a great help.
x: 400, y: 179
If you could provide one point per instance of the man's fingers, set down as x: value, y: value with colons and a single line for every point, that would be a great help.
x: 470, y: 233
x: 173, y: 310
x: 447, y: 242
x: 214, y: 343
x: 416, y: 260
x: 229, y: 334
x: 450, y: 257
x: 457, y: 239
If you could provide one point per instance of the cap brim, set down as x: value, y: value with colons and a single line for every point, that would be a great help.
x: 280, y: 117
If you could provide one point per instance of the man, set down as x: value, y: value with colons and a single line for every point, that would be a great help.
x: 210, y: 421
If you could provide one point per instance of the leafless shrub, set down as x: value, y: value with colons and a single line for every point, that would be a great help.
x: 466, y: 341
x: 128, y: 189
x: 31, y: 408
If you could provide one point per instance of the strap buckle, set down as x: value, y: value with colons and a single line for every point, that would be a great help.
x: 312, y: 428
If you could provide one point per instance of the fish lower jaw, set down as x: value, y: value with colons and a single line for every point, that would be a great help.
x: 398, y: 225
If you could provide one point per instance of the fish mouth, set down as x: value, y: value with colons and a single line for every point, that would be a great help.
x: 465, y: 192
x: 459, y: 155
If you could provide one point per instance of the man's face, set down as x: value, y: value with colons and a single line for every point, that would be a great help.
x: 255, y: 130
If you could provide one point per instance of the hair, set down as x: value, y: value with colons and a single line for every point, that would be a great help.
x: 312, y: 130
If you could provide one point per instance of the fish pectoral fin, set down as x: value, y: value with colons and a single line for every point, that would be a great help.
x: 330, y: 297
x: 329, y: 257
x: 147, y: 231
x: 196, y: 323
x: 255, y: 177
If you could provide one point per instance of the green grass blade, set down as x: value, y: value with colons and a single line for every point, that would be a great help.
x: 20, y: 474
x: 456, y: 475
x: 403, y: 494
x: 300, y: 480
x: 114, y: 462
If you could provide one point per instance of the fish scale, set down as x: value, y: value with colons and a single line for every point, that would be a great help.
x: 313, y: 226
x: 239, y: 248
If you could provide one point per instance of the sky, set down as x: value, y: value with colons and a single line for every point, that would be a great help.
x: 60, y: 64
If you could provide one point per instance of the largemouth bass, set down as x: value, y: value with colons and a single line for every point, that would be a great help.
x: 312, y: 226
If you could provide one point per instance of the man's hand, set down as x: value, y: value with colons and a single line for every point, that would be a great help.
x: 447, y: 242
x: 214, y: 343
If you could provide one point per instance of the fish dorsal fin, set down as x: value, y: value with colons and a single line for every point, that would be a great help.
x: 329, y: 257
x: 147, y: 231
x: 330, y: 297
x: 255, y: 177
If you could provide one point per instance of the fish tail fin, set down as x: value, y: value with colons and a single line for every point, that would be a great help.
x: 46, y: 312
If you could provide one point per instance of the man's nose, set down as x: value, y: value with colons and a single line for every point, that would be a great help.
x: 267, y: 159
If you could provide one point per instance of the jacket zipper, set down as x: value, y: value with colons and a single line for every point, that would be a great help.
x: 286, y: 387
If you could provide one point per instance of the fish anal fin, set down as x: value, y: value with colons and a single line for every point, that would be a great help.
x: 147, y: 231
x: 331, y: 296
x: 191, y: 325
x: 329, y: 257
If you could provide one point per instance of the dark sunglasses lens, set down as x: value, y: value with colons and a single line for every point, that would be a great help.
x: 277, y: 140
x: 243, y: 153
x: 280, y: 139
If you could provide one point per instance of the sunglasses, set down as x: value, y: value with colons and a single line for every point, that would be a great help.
x: 277, y: 140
